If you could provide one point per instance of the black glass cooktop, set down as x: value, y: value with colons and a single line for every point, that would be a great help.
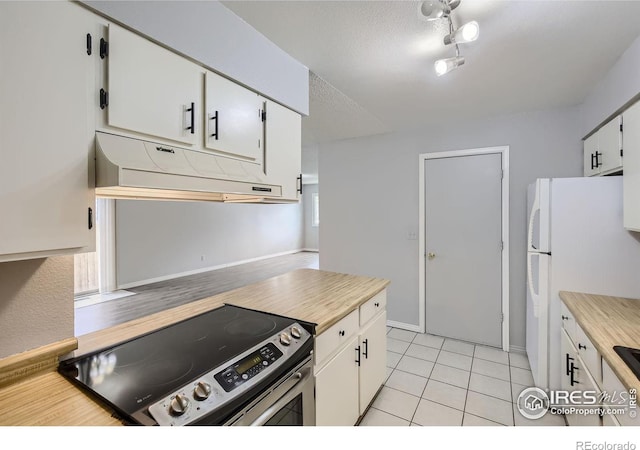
x: 631, y: 356
x: 136, y: 373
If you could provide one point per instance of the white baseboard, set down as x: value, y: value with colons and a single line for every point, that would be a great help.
x: 404, y: 326
x: 517, y: 349
x: 204, y: 269
x: 315, y: 250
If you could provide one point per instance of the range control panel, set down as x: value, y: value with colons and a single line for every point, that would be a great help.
x: 231, y: 380
x: 248, y: 367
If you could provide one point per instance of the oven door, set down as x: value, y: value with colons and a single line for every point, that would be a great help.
x: 289, y: 402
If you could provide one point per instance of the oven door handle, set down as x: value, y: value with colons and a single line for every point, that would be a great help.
x: 295, y: 379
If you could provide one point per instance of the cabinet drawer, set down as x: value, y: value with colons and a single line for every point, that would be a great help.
x: 332, y: 339
x: 373, y: 306
x: 568, y: 322
x: 589, y: 354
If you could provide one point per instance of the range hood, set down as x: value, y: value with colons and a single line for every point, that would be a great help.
x: 129, y: 168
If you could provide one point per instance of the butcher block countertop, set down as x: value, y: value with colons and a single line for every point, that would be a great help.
x: 43, y: 397
x: 608, y: 321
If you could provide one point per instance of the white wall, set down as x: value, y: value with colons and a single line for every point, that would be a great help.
x: 619, y: 86
x: 310, y: 232
x: 370, y: 197
x: 36, y: 303
x: 157, y: 239
x: 210, y: 33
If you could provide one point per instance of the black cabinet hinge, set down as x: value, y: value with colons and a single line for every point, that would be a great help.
x: 89, y: 43
x: 299, y: 179
x: 104, y: 99
x: 90, y: 218
x: 104, y: 48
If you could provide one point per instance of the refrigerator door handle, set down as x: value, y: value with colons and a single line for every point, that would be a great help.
x: 535, y: 297
x: 535, y: 208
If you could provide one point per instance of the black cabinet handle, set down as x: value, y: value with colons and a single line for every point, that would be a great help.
x: 592, y: 161
x: 358, y: 355
x: 104, y: 99
x: 573, y: 369
x: 104, y: 48
x: 376, y: 304
x: 341, y: 332
x: 299, y: 179
x: 89, y: 40
x: 90, y: 218
x: 581, y: 347
x: 365, y: 352
x: 192, y: 110
x: 565, y: 317
x: 598, y: 163
x: 569, y: 359
x: 215, y: 133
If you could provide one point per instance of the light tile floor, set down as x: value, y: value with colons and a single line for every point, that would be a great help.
x: 433, y: 380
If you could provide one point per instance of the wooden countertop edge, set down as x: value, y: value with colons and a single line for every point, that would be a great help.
x: 619, y: 367
x: 32, y: 362
x: 320, y: 328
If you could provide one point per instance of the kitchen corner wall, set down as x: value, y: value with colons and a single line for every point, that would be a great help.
x: 310, y: 232
x: 370, y: 198
x: 36, y: 303
x: 156, y: 240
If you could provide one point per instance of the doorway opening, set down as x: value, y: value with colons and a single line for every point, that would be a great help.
x: 464, y: 245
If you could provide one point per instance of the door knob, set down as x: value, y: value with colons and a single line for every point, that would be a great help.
x: 431, y: 255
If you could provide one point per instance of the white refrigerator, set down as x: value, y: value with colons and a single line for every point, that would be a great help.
x: 575, y: 242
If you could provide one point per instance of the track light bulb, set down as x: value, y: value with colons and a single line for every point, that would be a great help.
x: 446, y: 65
x: 436, y: 9
x: 466, y: 33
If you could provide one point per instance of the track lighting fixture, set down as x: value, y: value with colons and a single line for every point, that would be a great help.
x: 446, y: 65
x: 430, y: 10
x: 466, y: 33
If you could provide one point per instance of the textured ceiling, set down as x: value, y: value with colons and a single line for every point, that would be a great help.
x: 372, y: 61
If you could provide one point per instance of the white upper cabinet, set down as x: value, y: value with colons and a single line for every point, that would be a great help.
x: 631, y: 177
x: 603, y: 149
x: 233, y: 120
x: 152, y: 90
x: 283, y: 133
x: 46, y: 111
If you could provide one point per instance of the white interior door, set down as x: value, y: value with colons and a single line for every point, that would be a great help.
x: 463, y: 230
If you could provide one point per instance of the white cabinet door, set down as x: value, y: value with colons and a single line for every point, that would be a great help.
x: 590, y: 149
x: 151, y: 89
x: 337, y: 389
x: 631, y: 177
x: 233, y: 122
x: 46, y: 87
x: 373, y: 367
x: 283, y: 133
x: 609, y: 145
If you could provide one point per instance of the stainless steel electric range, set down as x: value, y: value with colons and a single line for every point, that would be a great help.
x: 229, y: 366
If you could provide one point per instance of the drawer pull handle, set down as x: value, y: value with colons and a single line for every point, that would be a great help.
x: 341, y: 332
x: 581, y: 347
x: 358, y: 355
x: 365, y: 352
x: 569, y: 359
x: 377, y: 305
x: 572, y: 380
x: 565, y: 317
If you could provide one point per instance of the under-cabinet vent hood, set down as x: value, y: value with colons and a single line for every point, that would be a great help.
x: 136, y: 169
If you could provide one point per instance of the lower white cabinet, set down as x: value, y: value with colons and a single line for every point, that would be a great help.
x: 337, y: 388
x: 350, y: 367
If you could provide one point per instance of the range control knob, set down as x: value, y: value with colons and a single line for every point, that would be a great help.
x: 285, y: 339
x: 202, y: 391
x: 295, y: 332
x: 179, y: 405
